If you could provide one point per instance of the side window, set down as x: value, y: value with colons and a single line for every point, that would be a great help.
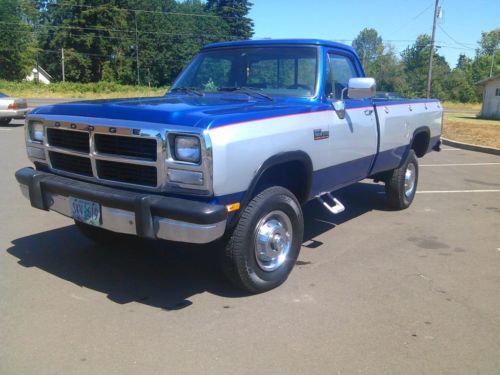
x: 339, y: 70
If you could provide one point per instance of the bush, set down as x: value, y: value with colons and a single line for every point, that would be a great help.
x: 77, y: 90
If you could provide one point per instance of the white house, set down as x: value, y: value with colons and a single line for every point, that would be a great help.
x: 491, y: 97
x: 41, y: 74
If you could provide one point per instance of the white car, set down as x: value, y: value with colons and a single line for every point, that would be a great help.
x: 11, y: 108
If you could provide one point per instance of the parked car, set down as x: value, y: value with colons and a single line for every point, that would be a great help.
x: 11, y: 108
x: 249, y: 132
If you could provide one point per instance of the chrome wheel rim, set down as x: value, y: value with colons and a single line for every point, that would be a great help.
x: 410, y: 176
x: 273, y: 240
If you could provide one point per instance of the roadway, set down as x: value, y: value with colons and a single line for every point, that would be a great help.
x: 374, y: 291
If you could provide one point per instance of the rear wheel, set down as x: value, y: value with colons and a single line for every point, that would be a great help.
x: 5, y: 120
x: 401, y: 186
x: 265, y: 244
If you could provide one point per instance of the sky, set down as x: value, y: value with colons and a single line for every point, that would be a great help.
x: 397, y: 22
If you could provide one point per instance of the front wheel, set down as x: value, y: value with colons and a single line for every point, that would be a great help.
x: 401, y: 186
x: 265, y: 244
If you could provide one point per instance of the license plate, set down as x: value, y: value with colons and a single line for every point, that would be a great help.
x: 85, y: 211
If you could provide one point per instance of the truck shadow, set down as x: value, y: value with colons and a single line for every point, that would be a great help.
x: 161, y: 274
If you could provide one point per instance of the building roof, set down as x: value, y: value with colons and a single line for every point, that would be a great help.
x: 485, y: 81
x: 42, y: 71
x: 267, y: 42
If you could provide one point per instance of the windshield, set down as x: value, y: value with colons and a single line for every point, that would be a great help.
x: 282, y: 71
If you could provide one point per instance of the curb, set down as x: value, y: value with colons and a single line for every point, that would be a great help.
x: 470, y: 147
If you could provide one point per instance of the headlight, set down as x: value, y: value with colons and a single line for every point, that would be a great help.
x: 36, y: 131
x: 187, y: 148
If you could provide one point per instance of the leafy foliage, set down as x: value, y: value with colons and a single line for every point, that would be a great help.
x: 147, y: 42
x: 17, y: 42
x: 407, y: 73
x: 113, y: 40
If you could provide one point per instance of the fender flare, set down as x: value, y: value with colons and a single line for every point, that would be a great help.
x: 419, y: 130
x: 281, y: 158
x: 277, y: 159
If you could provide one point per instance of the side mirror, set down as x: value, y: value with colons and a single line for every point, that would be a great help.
x: 360, y: 88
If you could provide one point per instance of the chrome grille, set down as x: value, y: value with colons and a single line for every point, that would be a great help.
x: 128, y: 173
x: 120, y: 158
x: 69, y: 139
x: 143, y: 148
x: 71, y: 163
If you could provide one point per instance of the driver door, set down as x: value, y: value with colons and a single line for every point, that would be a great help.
x: 353, y: 139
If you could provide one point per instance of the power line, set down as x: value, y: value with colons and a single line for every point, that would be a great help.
x: 167, y: 13
x: 93, y: 29
x: 454, y: 40
x: 413, y: 18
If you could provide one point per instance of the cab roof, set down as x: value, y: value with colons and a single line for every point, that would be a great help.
x: 271, y: 42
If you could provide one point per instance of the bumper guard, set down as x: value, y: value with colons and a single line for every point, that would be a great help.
x: 123, y: 211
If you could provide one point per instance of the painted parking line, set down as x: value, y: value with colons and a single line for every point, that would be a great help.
x: 457, y: 191
x: 457, y: 164
x: 5, y: 130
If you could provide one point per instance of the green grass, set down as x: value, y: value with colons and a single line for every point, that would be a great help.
x: 469, y: 118
x: 466, y: 127
x: 462, y: 106
x: 101, y: 90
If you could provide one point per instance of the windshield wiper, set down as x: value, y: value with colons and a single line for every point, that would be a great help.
x: 250, y: 91
x: 188, y: 90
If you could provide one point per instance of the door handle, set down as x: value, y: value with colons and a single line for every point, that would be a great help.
x: 368, y: 112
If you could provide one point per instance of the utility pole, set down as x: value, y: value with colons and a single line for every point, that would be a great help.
x: 137, y: 49
x: 431, y: 57
x: 62, y: 64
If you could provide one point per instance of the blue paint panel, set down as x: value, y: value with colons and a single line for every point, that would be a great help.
x: 383, y: 102
x: 228, y: 198
x: 389, y: 159
x: 275, y: 42
x: 337, y: 176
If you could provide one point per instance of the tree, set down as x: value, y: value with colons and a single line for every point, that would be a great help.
x: 489, y: 42
x: 368, y: 45
x: 416, y: 62
x: 101, y: 42
x: 234, y: 14
x: 17, y: 43
x: 388, y: 71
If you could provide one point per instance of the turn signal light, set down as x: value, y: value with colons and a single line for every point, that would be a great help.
x: 233, y: 207
x: 12, y: 106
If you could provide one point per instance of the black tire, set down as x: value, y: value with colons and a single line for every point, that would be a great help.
x: 98, y: 235
x: 240, y: 263
x: 5, y: 121
x: 397, y: 187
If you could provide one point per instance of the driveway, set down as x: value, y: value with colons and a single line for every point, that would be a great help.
x: 374, y: 291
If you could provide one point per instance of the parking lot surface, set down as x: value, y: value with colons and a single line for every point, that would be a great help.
x: 374, y: 291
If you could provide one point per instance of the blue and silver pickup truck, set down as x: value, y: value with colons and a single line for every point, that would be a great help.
x: 249, y: 132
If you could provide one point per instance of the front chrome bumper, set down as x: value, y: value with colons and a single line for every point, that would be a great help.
x: 14, y: 113
x: 123, y: 211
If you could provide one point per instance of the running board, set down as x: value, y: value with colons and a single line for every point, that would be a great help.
x: 336, y: 208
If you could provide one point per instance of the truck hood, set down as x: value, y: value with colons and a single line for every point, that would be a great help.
x: 203, y: 112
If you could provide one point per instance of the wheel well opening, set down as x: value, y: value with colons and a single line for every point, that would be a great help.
x: 420, y: 143
x: 292, y: 175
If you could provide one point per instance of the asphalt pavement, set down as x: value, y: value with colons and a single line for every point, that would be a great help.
x: 374, y: 291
